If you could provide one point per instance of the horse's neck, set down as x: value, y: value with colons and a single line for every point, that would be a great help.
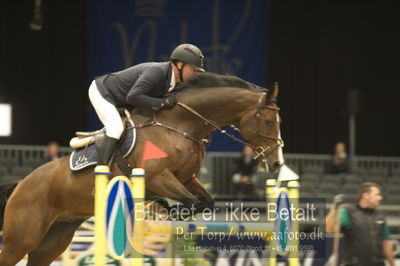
x: 223, y: 106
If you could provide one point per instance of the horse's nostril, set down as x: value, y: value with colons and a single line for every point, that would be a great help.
x: 277, y: 164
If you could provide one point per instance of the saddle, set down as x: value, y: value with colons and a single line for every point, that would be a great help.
x: 85, y: 145
x: 83, y: 139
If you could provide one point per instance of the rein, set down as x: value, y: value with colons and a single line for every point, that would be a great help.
x: 212, y: 123
x: 154, y: 122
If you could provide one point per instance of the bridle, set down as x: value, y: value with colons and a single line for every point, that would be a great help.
x: 278, y: 141
x: 261, y: 152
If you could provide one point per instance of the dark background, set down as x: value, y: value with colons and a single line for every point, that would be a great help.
x: 322, y: 49
x: 318, y: 50
x: 44, y: 73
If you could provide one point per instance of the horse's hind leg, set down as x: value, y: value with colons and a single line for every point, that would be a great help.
x: 54, y: 243
x: 26, y: 221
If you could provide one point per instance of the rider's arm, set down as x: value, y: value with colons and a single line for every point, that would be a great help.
x: 149, y: 80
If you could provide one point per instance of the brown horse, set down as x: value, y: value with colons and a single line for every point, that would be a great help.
x: 47, y: 206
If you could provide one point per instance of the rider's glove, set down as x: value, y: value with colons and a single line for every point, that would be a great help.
x: 169, y: 101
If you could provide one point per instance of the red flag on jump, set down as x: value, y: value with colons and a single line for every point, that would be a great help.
x: 151, y: 151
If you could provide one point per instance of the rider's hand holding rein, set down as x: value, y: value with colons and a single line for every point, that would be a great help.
x: 169, y: 101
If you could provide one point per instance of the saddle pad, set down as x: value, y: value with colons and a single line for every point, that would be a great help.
x: 87, y: 156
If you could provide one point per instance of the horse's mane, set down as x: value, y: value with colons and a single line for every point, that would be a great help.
x: 207, y: 79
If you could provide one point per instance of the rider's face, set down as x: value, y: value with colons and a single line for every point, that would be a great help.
x: 188, y: 71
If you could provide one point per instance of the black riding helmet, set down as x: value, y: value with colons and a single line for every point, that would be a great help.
x: 189, y: 54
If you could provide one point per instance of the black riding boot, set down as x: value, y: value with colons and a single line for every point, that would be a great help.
x: 106, y: 150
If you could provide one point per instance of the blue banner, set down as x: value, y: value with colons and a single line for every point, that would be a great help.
x: 232, y: 35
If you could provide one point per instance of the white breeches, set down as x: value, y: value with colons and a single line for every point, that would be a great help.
x: 107, y: 113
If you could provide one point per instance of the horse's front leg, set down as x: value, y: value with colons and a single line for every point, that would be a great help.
x: 196, y: 187
x: 167, y: 185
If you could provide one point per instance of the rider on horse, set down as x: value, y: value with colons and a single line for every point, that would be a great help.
x: 141, y: 85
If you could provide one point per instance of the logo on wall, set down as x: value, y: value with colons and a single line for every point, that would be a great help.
x: 119, y: 217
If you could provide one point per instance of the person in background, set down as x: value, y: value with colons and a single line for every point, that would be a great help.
x: 52, y: 152
x: 340, y: 163
x: 246, y: 167
x: 366, y: 233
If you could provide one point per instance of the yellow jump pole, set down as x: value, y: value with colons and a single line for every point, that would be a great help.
x: 138, y: 192
x: 101, y: 179
x: 293, y: 187
x: 66, y: 256
x: 270, y: 193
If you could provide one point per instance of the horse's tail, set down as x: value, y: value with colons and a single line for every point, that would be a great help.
x: 5, y: 193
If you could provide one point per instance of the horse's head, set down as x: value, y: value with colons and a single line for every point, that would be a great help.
x: 240, y: 103
x: 261, y: 127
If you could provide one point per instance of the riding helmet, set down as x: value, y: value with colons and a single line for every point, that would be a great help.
x: 190, y: 54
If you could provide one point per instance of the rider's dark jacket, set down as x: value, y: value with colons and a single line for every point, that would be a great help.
x: 140, y: 85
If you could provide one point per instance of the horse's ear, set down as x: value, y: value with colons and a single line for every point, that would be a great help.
x: 273, y: 93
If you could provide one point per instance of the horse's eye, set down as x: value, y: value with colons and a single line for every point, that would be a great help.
x: 269, y: 123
